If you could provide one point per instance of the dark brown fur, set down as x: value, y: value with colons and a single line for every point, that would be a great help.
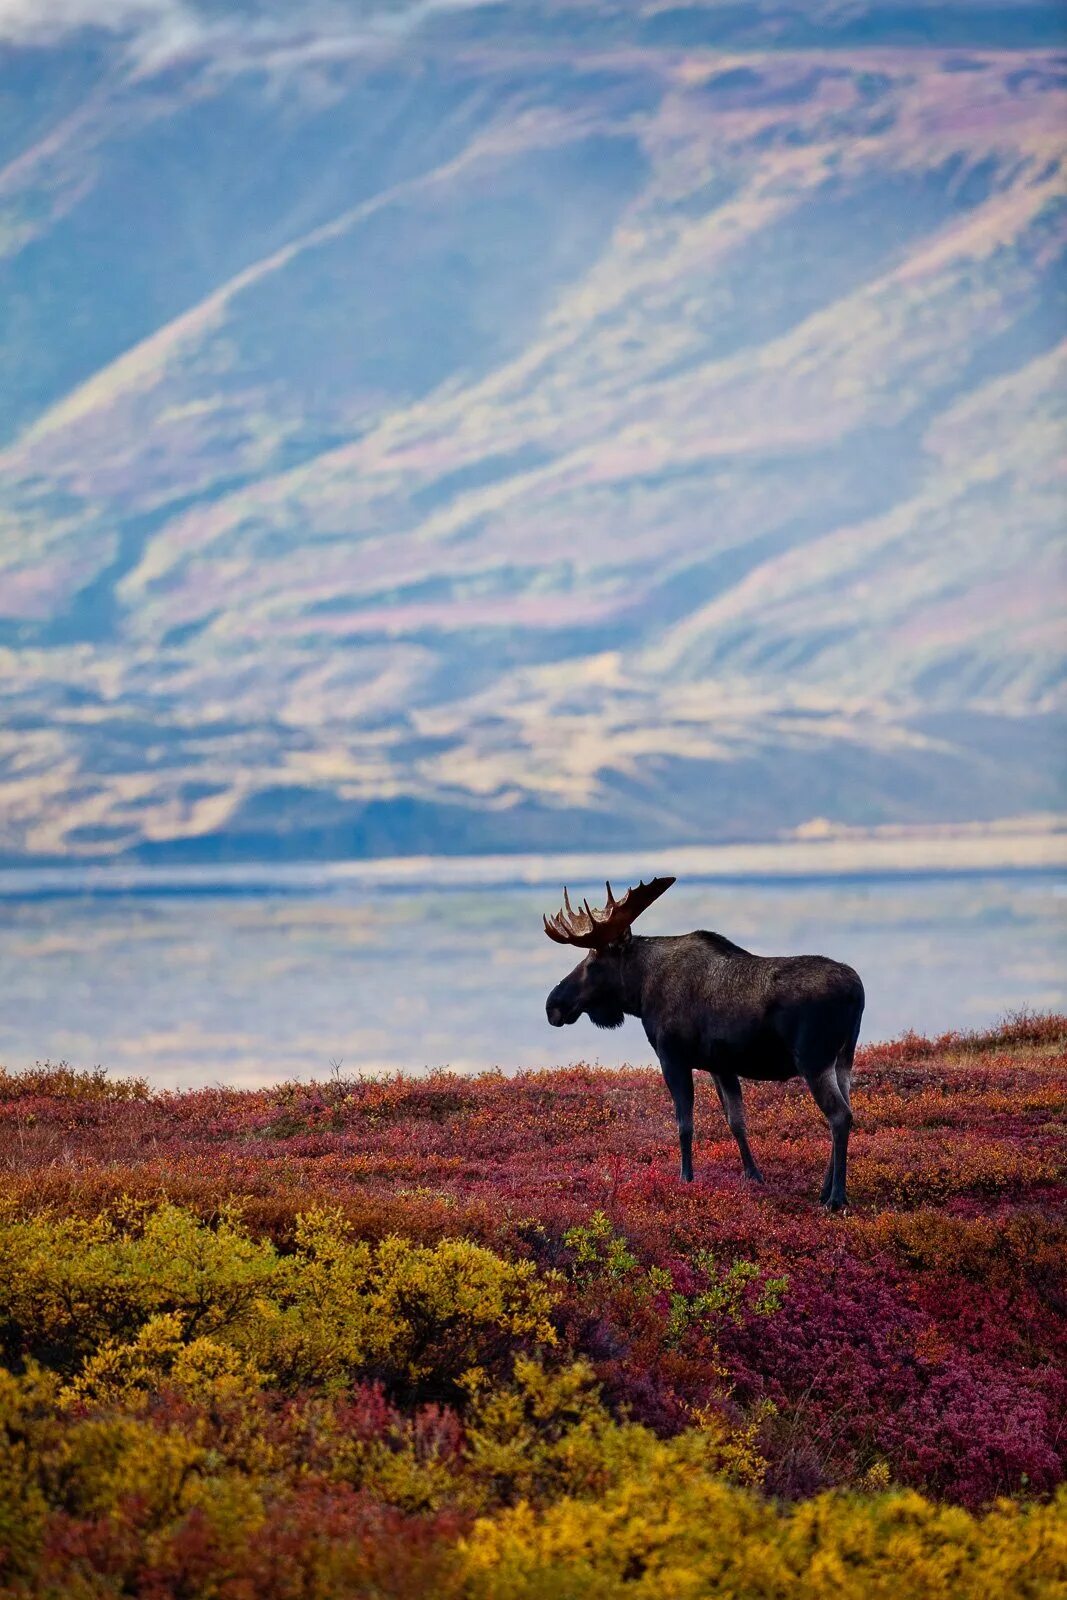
x: 708, y: 1005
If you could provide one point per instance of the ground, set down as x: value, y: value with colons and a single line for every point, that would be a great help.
x: 472, y: 1337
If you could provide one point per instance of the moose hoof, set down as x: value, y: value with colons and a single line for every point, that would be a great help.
x: 755, y: 1176
x: 835, y: 1206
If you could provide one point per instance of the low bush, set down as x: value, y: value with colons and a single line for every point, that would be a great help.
x: 471, y: 1337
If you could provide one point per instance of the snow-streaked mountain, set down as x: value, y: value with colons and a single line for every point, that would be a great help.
x: 550, y: 425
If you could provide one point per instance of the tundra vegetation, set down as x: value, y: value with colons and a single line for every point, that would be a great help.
x: 472, y: 1337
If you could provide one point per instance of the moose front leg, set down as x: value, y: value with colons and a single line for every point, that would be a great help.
x: 730, y: 1098
x: 679, y: 1080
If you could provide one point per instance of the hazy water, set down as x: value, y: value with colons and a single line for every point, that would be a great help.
x: 193, y: 988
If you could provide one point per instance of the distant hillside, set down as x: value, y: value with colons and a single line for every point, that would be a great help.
x: 461, y: 427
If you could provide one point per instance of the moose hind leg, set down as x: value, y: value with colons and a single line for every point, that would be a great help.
x: 843, y: 1068
x: 679, y: 1080
x: 733, y: 1105
x: 835, y: 1108
x: 844, y: 1083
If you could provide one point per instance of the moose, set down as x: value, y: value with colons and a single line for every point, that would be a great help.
x: 708, y: 1005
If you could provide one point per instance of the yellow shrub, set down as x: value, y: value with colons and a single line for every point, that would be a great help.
x: 54, y: 1456
x: 548, y: 1434
x: 665, y: 1531
x: 664, y: 1528
x: 906, y: 1545
x: 114, y: 1307
x: 58, y: 1282
x: 99, y: 1462
x: 733, y: 1448
x: 543, y: 1435
x: 126, y: 1372
x: 69, y: 1284
x: 343, y: 1306
x: 23, y: 1506
x: 400, y: 1470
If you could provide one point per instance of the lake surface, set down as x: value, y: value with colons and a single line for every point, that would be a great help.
x: 259, y: 984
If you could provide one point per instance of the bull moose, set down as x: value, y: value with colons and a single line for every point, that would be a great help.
x: 708, y: 1005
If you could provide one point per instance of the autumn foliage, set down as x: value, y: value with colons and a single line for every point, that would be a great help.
x: 471, y: 1337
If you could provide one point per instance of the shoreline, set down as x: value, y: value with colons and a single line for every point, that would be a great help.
x: 858, y: 855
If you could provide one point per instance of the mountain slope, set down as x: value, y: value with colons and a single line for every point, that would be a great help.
x: 487, y: 427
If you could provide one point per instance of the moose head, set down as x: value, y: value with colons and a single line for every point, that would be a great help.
x: 597, y: 986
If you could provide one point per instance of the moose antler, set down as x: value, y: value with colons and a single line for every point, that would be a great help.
x: 592, y: 930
